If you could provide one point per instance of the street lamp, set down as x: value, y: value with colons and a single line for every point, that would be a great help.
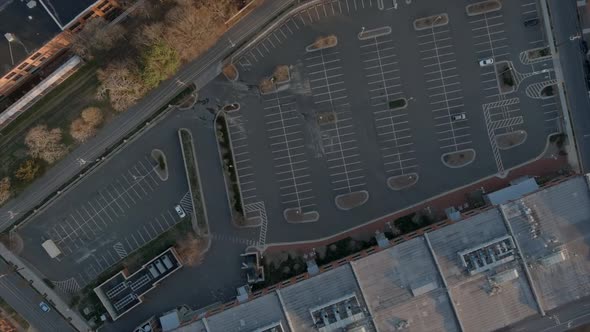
x: 10, y: 38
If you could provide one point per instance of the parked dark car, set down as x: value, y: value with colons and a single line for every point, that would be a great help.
x: 531, y: 23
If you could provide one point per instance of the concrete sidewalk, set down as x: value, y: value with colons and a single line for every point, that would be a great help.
x: 71, y: 315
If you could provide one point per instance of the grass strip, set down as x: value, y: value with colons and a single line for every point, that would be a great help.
x: 192, y: 174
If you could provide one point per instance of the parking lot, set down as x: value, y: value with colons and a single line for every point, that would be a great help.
x: 118, y: 209
x: 388, y: 103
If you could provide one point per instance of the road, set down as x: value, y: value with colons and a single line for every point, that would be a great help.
x: 565, y: 24
x: 562, y: 319
x: 200, y: 71
x: 25, y: 300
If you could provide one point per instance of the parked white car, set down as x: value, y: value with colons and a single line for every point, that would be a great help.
x: 458, y: 117
x: 486, y: 62
x: 180, y: 211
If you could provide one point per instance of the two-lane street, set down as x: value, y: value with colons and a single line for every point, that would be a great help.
x: 25, y: 300
x: 566, y: 31
x: 200, y: 71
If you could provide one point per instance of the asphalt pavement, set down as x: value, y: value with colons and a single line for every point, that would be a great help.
x: 200, y: 71
x: 571, y: 57
x: 25, y: 300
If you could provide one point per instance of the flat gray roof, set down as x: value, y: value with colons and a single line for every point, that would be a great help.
x: 387, y: 279
x: 555, y: 219
x: 249, y: 316
x: 481, y: 310
x: 320, y: 290
x: 447, y: 242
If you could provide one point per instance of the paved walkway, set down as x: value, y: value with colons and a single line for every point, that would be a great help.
x: 76, y: 320
x: 439, y: 203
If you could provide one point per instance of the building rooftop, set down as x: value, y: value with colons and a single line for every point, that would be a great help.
x: 30, y: 27
x: 479, y: 259
x: 552, y: 228
x: 470, y: 234
x: 402, y: 288
x: 485, y: 304
x: 256, y: 315
x: 121, y: 293
x: 313, y: 303
x: 516, y: 190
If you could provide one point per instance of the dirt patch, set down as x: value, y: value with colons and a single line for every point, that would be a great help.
x: 327, y: 118
x: 351, y: 200
x: 374, y: 33
x: 483, y: 7
x: 402, y: 181
x: 459, y: 158
x: 295, y: 215
x: 162, y: 167
x: 230, y: 72
x: 537, y: 53
x: 509, y: 140
x: 430, y: 22
x: 505, y: 77
x: 266, y: 85
x: 322, y: 43
x: 281, y: 74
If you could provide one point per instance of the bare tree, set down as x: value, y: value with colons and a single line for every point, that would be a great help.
x: 150, y: 34
x: 84, y: 127
x: 190, y: 29
x: 121, y: 84
x: 45, y: 143
x: 28, y: 170
x: 222, y: 9
x: 96, y: 35
x: 5, y: 190
x: 93, y: 116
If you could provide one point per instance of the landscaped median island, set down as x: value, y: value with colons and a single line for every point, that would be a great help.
x: 230, y: 72
x: 322, y: 42
x: 510, y: 140
x: 538, y: 53
x: 281, y: 75
x: 162, y: 168
x: 351, y: 200
x: 404, y: 181
x: 431, y: 22
x: 230, y: 172
x: 483, y: 7
x: 459, y: 158
x: 505, y: 76
x: 199, y: 215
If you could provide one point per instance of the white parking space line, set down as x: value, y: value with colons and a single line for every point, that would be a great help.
x: 444, y: 89
x: 241, y: 154
x: 330, y: 97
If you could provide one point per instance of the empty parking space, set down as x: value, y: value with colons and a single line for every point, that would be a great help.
x: 91, y: 219
x: 241, y: 154
x: 285, y: 133
x: 103, y: 258
x: 489, y: 37
x: 381, y: 69
x: 338, y: 142
x: 443, y: 86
